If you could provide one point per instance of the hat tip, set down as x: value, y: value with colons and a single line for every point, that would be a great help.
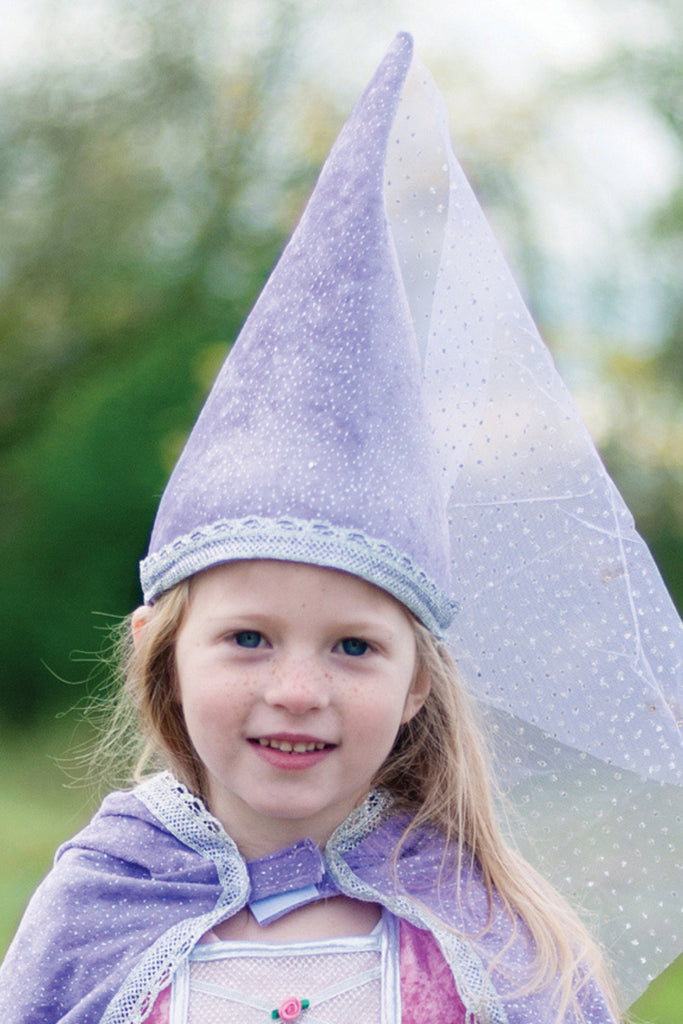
x: 404, y: 40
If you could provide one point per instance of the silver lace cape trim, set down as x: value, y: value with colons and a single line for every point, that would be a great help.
x: 299, y: 540
x: 474, y: 987
x: 187, y: 818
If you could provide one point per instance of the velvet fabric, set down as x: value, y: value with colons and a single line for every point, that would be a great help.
x: 428, y: 991
x: 316, y: 420
x: 287, y: 879
x: 154, y: 871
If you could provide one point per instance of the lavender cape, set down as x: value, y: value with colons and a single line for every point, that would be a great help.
x: 130, y: 896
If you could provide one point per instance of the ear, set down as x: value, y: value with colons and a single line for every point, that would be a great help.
x: 417, y: 695
x: 138, y: 621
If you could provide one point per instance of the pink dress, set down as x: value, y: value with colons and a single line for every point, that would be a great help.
x: 427, y: 987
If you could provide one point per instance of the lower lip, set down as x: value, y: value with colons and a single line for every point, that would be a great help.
x: 283, y: 761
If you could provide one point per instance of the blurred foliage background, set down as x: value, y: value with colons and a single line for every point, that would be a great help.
x: 154, y: 156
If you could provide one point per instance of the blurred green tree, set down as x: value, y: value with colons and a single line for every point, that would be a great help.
x: 140, y: 214
x: 652, y: 393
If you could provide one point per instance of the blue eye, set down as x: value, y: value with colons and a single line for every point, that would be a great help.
x: 353, y: 646
x: 248, y: 638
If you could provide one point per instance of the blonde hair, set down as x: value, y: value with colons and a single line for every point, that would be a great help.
x: 438, y: 770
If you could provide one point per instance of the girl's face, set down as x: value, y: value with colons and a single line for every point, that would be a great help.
x: 294, y: 681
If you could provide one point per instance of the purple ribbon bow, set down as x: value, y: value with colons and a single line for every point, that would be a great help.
x: 287, y: 879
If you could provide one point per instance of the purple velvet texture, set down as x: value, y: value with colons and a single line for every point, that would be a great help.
x: 125, y: 880
x: 114, y: 889
x: 317, y: 413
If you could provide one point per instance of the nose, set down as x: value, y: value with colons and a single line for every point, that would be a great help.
x: 298, y: 685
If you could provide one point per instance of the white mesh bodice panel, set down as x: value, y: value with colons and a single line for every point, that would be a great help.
x: 344, y: 980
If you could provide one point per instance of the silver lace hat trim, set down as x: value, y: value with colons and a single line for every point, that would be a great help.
x: 299, y: 540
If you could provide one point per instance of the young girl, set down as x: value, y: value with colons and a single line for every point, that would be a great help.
x: 322, y: 845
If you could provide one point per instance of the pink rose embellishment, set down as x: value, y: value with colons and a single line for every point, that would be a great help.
x: 291, y: 1008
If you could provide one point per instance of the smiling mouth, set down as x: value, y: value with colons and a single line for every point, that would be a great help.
x: 289, y: 747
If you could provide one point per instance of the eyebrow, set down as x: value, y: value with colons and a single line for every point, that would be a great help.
x: 342, y: 627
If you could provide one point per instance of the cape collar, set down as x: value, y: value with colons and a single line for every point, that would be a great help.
x: 290, y: 878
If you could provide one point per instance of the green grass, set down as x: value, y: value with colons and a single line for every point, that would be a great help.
x: 38, y: 811
x: 40, y: 808
x: 662, y: 1003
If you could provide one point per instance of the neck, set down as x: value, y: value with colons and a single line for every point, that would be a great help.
x: 258, y: 836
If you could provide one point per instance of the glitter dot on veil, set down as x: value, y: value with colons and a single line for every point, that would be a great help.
x: 565, y: 632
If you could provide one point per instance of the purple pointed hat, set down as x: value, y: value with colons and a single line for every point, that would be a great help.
x: 318, y: 444
x: 313, y: 445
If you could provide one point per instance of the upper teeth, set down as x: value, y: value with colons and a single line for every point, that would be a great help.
x: 291, y: 748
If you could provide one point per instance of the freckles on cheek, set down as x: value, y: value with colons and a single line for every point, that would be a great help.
x: 224, y: 700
